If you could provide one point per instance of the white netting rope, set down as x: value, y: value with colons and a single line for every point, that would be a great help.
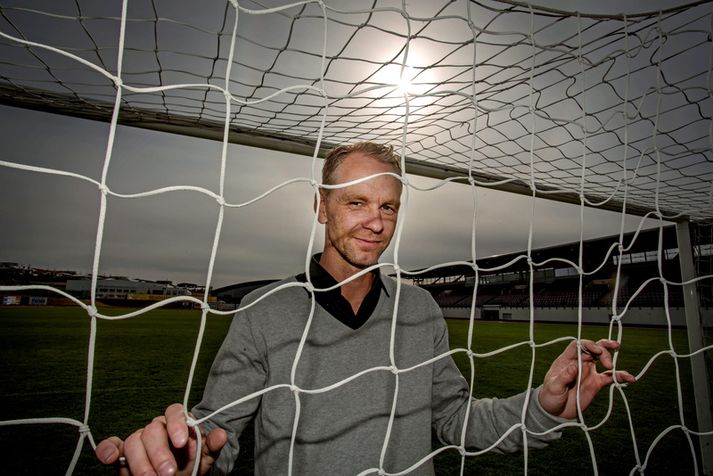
x: 230, y: 99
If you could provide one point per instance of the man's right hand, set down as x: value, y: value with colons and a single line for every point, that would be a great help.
x: 165, y: 447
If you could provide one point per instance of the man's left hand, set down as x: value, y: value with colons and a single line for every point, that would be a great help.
x: 558, y: 395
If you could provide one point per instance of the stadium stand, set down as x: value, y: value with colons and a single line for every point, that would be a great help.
x: 556, y: 286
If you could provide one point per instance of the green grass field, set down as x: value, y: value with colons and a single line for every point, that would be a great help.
x: 142, y: 364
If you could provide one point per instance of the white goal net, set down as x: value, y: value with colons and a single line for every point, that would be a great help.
x: 607, y: 111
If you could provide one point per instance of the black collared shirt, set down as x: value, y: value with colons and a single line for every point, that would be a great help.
x: 333, y: 301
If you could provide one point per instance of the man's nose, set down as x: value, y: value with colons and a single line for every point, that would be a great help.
x: 374, y: 221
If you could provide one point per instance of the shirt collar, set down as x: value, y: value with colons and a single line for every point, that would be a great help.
x: 333, y: 301
x: 321, y: 278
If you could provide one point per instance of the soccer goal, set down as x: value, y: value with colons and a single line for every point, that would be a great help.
x: 602, y: 111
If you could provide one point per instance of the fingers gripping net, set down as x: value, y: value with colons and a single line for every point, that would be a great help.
x: 605, y: 111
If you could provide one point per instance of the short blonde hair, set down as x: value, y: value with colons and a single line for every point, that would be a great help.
x: 336, y: 156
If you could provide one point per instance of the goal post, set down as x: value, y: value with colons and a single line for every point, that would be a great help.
x: 696, y: 342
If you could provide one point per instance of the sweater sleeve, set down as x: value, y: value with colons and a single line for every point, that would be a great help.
x: 239, y: 369
x: 489, y: 418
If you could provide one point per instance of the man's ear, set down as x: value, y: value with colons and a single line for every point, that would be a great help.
x: 320, y: 207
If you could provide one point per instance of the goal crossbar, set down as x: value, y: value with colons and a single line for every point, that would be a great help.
x: 65, y: 104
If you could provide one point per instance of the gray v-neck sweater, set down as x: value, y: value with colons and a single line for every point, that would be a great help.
x: 341, y: 431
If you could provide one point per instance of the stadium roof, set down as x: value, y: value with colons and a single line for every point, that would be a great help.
x: 594, y: 252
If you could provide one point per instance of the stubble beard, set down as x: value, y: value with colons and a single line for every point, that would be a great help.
x: 353, y: 259
x: 352, y: 255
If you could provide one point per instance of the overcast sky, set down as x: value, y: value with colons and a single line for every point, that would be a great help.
x: 51, y: 221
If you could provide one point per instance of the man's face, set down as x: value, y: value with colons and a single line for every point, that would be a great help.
x: 360, y: 219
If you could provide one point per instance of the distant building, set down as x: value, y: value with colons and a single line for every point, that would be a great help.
x: 123, y: 289
x: 12, y: 273
x: 231, y: 295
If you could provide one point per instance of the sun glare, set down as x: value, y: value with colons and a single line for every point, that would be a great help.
x: 404, y: 81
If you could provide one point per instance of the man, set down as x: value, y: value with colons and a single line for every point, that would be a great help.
x: 328, y: 391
